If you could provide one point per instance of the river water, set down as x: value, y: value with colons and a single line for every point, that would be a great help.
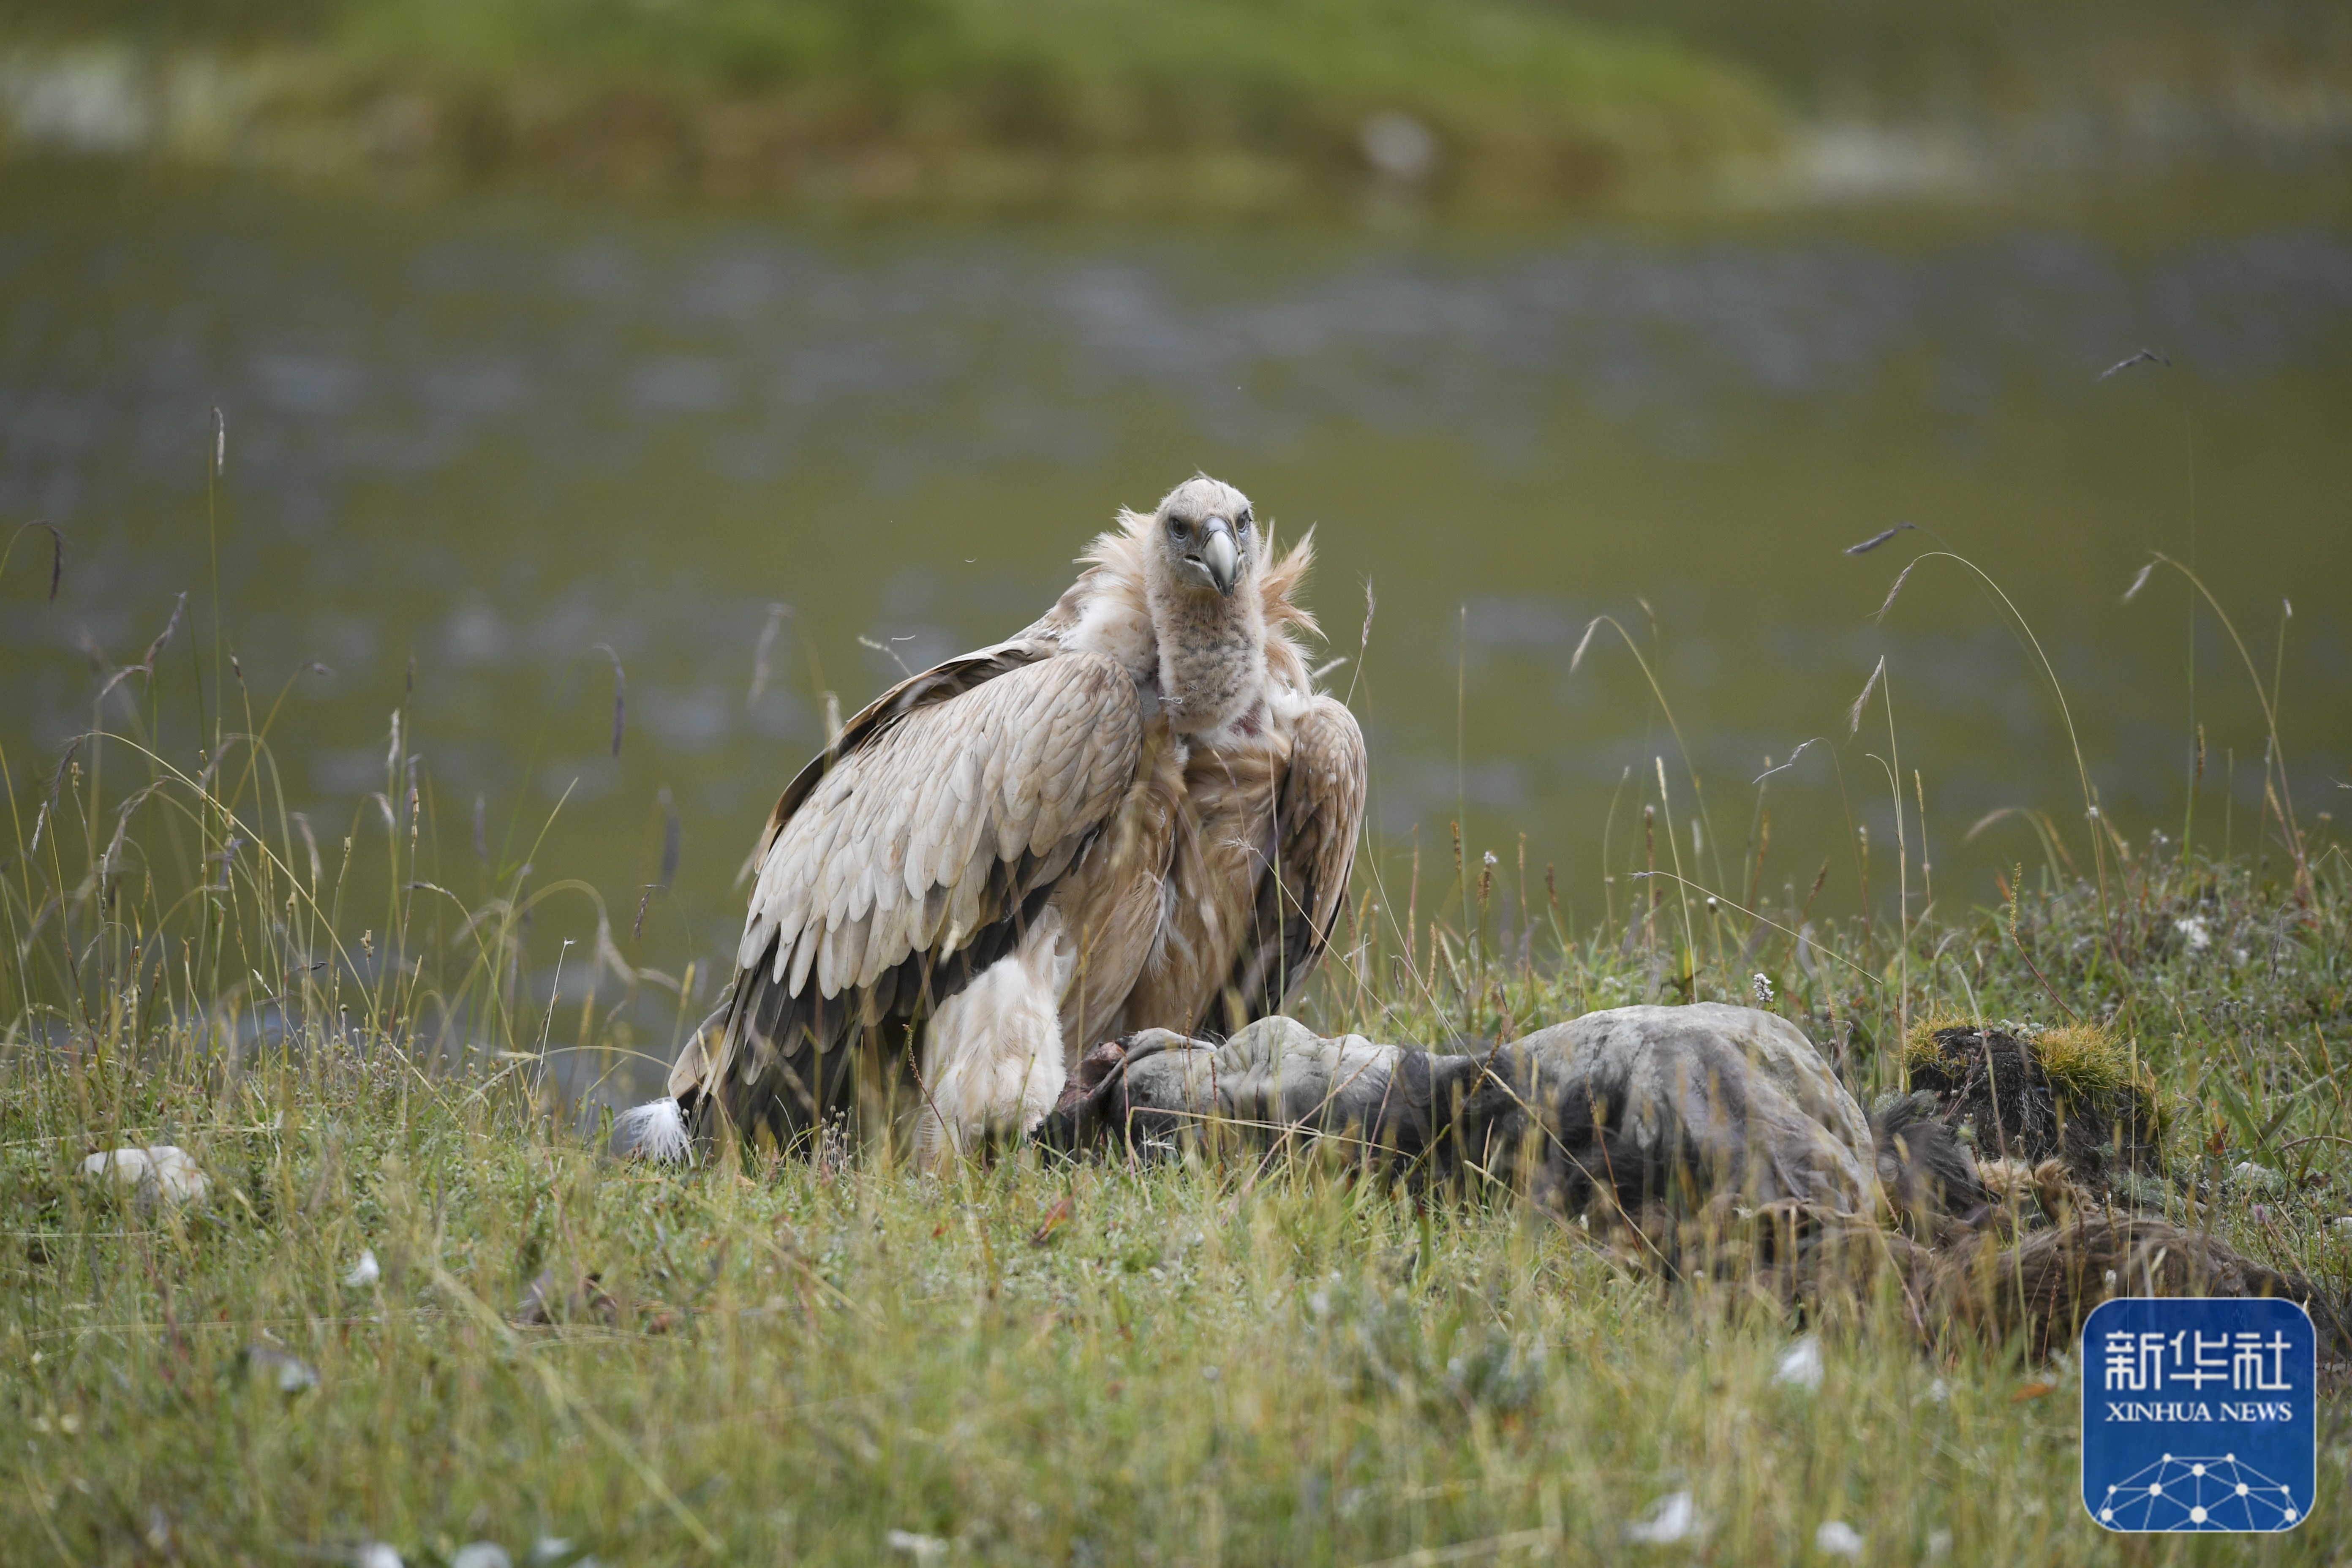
x: 487, y: 434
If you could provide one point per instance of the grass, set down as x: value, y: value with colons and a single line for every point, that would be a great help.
x: 1204, y: 1362
x: 791, y: 1361
x: 960, y: 103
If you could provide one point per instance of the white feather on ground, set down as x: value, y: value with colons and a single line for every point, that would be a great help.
x: 158, y: 1171
x: 655, y: 1130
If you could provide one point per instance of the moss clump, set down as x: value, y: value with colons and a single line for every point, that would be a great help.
x: 2084, y: 1059
x: 2073, y: 1093
x: 1919, y: 1046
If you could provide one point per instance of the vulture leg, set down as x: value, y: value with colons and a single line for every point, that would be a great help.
x: 992, y: 1055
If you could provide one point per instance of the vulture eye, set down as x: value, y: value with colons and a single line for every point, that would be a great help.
x: 1179, y: 530
x: 1246, y: 519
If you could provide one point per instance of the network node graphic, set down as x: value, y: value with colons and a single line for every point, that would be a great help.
x: 2214, y: 1492
x: 2198, y: 1414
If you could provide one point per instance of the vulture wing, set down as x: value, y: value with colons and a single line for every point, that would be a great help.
x: 1318, y: 812
x: 907, y: 859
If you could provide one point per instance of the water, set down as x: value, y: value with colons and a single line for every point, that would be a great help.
x: 492, y: 435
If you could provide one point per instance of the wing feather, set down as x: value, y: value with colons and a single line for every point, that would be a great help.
x: 1319, y: 813
x: 950, y: 812
x: 1111, y: 917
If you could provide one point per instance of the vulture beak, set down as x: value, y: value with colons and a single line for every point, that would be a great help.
x: 1220, y: 554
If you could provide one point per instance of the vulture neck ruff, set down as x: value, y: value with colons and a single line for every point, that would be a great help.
x: 1222, y: 667
x: 1212, y: 654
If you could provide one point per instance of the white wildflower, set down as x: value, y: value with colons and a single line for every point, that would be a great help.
x: 290, y: 1372
x: 2193, y: 932
x: 1801, y: 1366
x: 1675, y: 1518
x: 365, y: 1272
x: 1838, y: 1538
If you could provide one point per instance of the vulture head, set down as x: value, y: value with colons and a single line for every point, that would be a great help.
x: 1205, y: 539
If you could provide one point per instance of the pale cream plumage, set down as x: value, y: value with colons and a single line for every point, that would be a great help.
x: 1135, y: 813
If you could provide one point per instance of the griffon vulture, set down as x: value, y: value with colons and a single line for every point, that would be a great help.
x: 1137, y: 812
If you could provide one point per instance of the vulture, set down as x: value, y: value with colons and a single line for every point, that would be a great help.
x: 1137, y: 812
